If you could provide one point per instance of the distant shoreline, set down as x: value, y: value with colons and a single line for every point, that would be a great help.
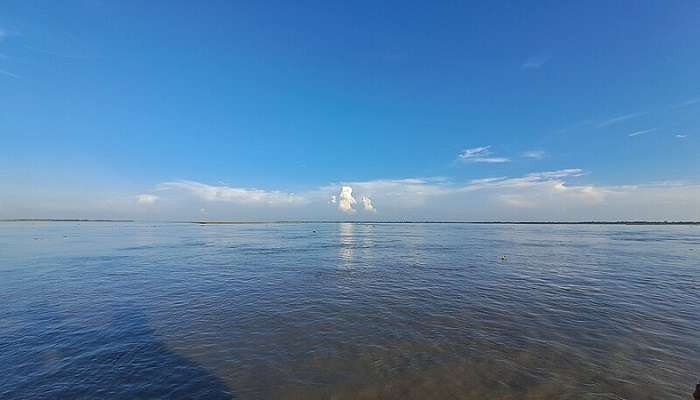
x: 362, y: 222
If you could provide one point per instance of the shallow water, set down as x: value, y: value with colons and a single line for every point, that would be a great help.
x: 348, y: 311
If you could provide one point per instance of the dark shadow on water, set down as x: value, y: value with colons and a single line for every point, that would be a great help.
x: 61, y: 355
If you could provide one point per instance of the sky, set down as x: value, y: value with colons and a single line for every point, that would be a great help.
x: 321, y: 110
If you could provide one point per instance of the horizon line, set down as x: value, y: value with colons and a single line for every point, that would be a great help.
x: 225, y: 222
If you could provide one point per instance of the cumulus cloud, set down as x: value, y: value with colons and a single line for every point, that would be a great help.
x: 481, y: 155
x: 367, y: 204
x: 333, y: 199
x: 345, y: 200
x: 146, y: 199
x: 538, y: 193
x: 411, y: 193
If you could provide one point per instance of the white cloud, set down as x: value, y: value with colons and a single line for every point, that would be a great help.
x: 681, y: 136
x: 637, y: 133
x: 488, y: 198
x: 534, y: 154
x: 495, y: 160
x: 367, y: 204
x: 535, y: 62
x: 475, y: 152
x: 487, y: 180
x: 565, y: 194
x: 333, y: 199
x: 546, y: 195
x: 10, y: 74
x: 613, y: 121
x: 687, y: 103
x: 412, y: 193
x: 346, y: 200
x: 524, y: 181
x: 562, y: 173
x: 233, y: 194
x: 146, y: 199
x: 515, y: 200
x: 481, y: 155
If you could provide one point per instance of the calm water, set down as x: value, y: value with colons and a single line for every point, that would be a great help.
x: 350, y: 311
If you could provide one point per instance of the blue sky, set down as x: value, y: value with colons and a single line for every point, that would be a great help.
x: 266, y: 110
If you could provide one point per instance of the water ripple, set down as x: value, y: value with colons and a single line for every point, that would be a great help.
x: 348, y: 311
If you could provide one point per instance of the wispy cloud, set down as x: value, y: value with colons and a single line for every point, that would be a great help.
x: 10, y: 74
x: 62, y: 54
x: 535, y: 62
x: 487, y: 180
x: 687, y: 103
x: 524, y: 181
x: 534, y: 154
x: 233, y: 194
x: 622, y: 118
x: 642, y: 132
x: 481, y: 155
x: 613, y: 121
x: 4, y: 35
x: 681, y: 136
x: 475, y: 152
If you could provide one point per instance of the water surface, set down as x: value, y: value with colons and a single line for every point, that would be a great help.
x: 348, y: 311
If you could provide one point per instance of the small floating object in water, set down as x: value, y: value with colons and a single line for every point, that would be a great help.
x: 504, y: 258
